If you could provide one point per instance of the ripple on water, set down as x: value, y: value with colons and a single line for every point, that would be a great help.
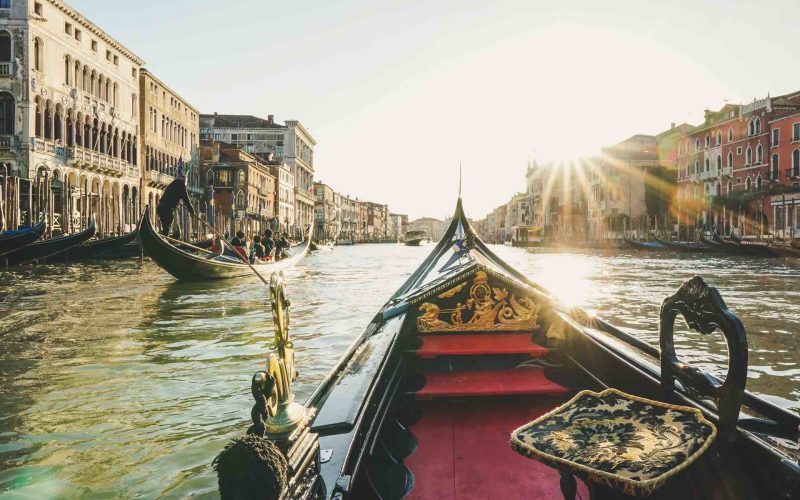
x: 118, y: 381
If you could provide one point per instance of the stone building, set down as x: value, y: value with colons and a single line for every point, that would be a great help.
x: 434, y: 228
x: 731, y: 168
x: 244, y: 189
x: 350, y: 210
x: 327, y: 212
x: 69, y: 119
x: 284, y: 191
x: 377, y: 215
x: 169, y: 131
x: 290, y: 142
x: 398, y: 226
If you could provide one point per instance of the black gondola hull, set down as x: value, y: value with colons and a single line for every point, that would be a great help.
x: 9, y: 244
x: 41, y: 250
x: 184, y: 265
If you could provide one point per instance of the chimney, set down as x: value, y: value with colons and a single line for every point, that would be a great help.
x: 215, y: 113
x: 271, y: 119
x: 707, y: 115
x: 672, y: 125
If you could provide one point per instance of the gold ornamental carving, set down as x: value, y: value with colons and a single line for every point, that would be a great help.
x: 486, y: 309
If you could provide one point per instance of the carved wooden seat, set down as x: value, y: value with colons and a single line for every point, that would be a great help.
x: 624, y: 445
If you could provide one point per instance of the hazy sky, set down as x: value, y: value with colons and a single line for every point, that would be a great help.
x: 397, y: 93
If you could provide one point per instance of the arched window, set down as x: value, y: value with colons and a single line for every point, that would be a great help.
x: 796, y: 163
x: 697, y: 144
x: 759, y: 154
x: 774, y: 168
x: 730, y: 159
x: 717, y: 189
x: 687, y: 169
x: 747, y: 184
x: 708, y: 141
x: 7, y: 113
x: 730, y: 134
x: 748, y: 156
x: 758, y: 183
x: 719, y: 137
x: 719, y: 162
x: 697, y: 166
x: 707, y: 165
x: 37, y: 54
x: 758, y: 125
x: 730, y: 187
x: 5, y: 46
x: 242, y: 179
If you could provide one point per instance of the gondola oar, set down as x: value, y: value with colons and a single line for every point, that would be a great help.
x: 245, y: 259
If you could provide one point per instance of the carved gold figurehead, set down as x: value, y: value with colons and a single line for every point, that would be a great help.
x: 486, y: 308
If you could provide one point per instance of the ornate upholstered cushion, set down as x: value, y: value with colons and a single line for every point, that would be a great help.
x: 628, y: 443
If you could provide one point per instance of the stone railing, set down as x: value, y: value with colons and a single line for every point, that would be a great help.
x: 6, y: 69
x: 100, y: 161
x: 727, y: 171
x: 5, y: 141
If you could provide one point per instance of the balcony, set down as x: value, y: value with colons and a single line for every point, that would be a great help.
x: 706, y: 175
x: 6, y: 69
x: 727, y: 171
x: 158, y: 179
x: 100, y: 162
x: 694, y: 177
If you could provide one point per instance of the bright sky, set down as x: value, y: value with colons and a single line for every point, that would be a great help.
x: 397, y: 93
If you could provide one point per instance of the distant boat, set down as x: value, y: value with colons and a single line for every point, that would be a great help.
x: 645, y: 245
x: 415, y: 238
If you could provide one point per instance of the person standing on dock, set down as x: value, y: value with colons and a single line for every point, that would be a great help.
x: 173, y: 194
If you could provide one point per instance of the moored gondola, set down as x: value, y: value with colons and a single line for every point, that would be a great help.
x: 686, y: 246
x: 40, y: 251
x: 98, y: 249
x: 14, y: 240
x: 185, y: 265
x: 469, y: 352
x: 652, y: 246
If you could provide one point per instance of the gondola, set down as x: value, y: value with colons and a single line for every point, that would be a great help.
x: 731, y: 246
x: 185, y: 265
x: 98, y: 249
x: 474, y: 382
x: 14, y: 240
x: 645, y: 245
x: 686, y: 246
x: 42, y: 250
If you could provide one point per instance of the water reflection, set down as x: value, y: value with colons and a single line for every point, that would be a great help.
x: 119, y: 381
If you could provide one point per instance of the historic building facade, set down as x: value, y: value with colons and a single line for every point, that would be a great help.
x: 243, y: 189
x: 69, y: 119
x: 349, y: 208
x: 290, y: 142
x: 732, y: 169
x: 169, y: 131
x: 327, y: 212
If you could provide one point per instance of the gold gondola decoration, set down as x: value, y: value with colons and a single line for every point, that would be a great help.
x: 276, y: 411
x: 487, y: 309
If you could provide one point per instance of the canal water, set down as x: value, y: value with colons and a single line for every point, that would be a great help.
x: 117, y: 381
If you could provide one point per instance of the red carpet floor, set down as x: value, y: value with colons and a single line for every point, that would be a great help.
x: 464, y: 453
x: 469, y: 344
x: 488, y: 383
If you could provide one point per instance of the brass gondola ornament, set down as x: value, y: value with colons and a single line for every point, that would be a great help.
x: 279, y: 456
x: 276, y: 411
